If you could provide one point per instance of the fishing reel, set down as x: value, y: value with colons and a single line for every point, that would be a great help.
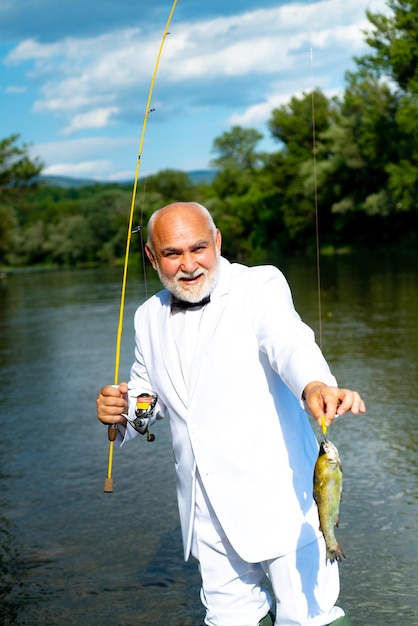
x: 145, y: 404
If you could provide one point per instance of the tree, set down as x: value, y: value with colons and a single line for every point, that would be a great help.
x: 293, y: 124
x: 170, y: 185
x: 68, y: 240
x: 236, y: 160
x: 18, y: 173
x: 353, y: 153
x: 394, y: 39
x: 241, y: 193
x: 298, y: 126
x: 369, y: 163
x: 106, y: 215
x: 8, y: 232
x: 17, y: 170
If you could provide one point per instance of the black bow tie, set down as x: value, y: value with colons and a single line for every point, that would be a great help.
x: 182, y: 304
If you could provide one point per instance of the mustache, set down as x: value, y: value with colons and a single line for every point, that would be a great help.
x: 190, y: 275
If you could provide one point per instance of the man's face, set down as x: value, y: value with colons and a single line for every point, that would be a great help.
x: 185, y: 252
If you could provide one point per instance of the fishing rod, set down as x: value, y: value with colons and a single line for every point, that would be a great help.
x: 112, y: 429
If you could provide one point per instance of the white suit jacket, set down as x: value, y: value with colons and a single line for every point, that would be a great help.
x: 241, y: 422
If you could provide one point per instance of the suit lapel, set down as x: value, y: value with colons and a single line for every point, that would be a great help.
x: 210, y: 319
x: 169, y: 351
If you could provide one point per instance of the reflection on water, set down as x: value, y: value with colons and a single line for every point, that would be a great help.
x: 13, y: 592
x: 74, y: 555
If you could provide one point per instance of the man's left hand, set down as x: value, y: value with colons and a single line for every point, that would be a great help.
x: 329, y: 402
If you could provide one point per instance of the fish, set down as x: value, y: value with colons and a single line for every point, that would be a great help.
x: 327, y: 492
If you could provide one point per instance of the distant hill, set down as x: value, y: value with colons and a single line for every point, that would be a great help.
x: 66, y: 182
x: 202, y: 176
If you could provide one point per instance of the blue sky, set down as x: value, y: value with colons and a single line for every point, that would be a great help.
x: 75, y: 75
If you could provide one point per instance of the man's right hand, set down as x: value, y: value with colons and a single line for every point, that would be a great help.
x: 111, y: 402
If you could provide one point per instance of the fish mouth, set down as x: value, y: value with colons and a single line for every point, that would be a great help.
x: 323, y: 446
x: 327, y: 447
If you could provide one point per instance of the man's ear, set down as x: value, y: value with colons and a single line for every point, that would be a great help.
x: 151, y: 256
x: 218, y: 240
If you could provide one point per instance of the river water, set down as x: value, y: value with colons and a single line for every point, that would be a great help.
x: 72, y: 554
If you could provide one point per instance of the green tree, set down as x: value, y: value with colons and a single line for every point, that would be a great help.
x: 394, y: 40
x: 68, y: 240
x: 17, y: 169
x: 353, y: 153
x: 30, y: 248
x: 293, y: 124
x: 9, y: 228
x: 236, y: 162
x: 106, y: 216
x: 297, y: 127
x: 171, y: 185
x: 18, y: 174
x: 238, y: 193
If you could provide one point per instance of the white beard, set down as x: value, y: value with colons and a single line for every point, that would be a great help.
x: 192, y: 293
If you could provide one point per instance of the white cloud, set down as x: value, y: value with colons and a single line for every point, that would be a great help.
x: 88, y: 147
x: 98, y: 118
x: 213, y: 73
x: 87, y: 80
x: 122, y: 176
x: 80, y: 80
x: 85, y: 169
x: 30, y: 50
x: 260, y: 112
x: 95, y: 170
x: 16, y: 89
x: 73, y: 102
x: 264, y: 41
x: 76, y: 157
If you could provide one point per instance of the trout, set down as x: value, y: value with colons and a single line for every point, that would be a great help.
x: 327, y: 489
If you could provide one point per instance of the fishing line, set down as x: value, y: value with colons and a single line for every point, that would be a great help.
x: 318, y: 259
x: 315, y: 182
x: 141, y: 237
x: 112, y: 430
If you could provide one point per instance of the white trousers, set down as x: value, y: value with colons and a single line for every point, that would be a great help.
x: 305, y: 587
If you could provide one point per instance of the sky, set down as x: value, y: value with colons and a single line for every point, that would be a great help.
x: 75, y: 75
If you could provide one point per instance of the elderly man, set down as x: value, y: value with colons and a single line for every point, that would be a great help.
x: 234, y: 368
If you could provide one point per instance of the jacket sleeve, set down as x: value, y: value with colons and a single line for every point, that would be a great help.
x: 287, y: 341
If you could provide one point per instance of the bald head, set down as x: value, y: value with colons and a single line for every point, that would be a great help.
x: 177, y: 212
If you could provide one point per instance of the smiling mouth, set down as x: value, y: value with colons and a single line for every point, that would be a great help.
x: 190, y: 279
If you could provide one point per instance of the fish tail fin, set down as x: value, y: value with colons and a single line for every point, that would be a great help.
x: 335, y: 554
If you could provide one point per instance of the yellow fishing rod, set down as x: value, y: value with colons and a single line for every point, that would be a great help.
x: 112, y: 430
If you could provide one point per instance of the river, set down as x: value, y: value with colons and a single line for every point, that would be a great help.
x: 72, y: 554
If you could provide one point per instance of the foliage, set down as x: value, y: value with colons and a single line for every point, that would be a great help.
x: 236, y: 161
x: 168, y: 186
x: 394, y: 40
x: 18, y: 174
x: 297, y: 126
x: 352, y: 161
x: 8, y: 231
x: 17, y: 169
